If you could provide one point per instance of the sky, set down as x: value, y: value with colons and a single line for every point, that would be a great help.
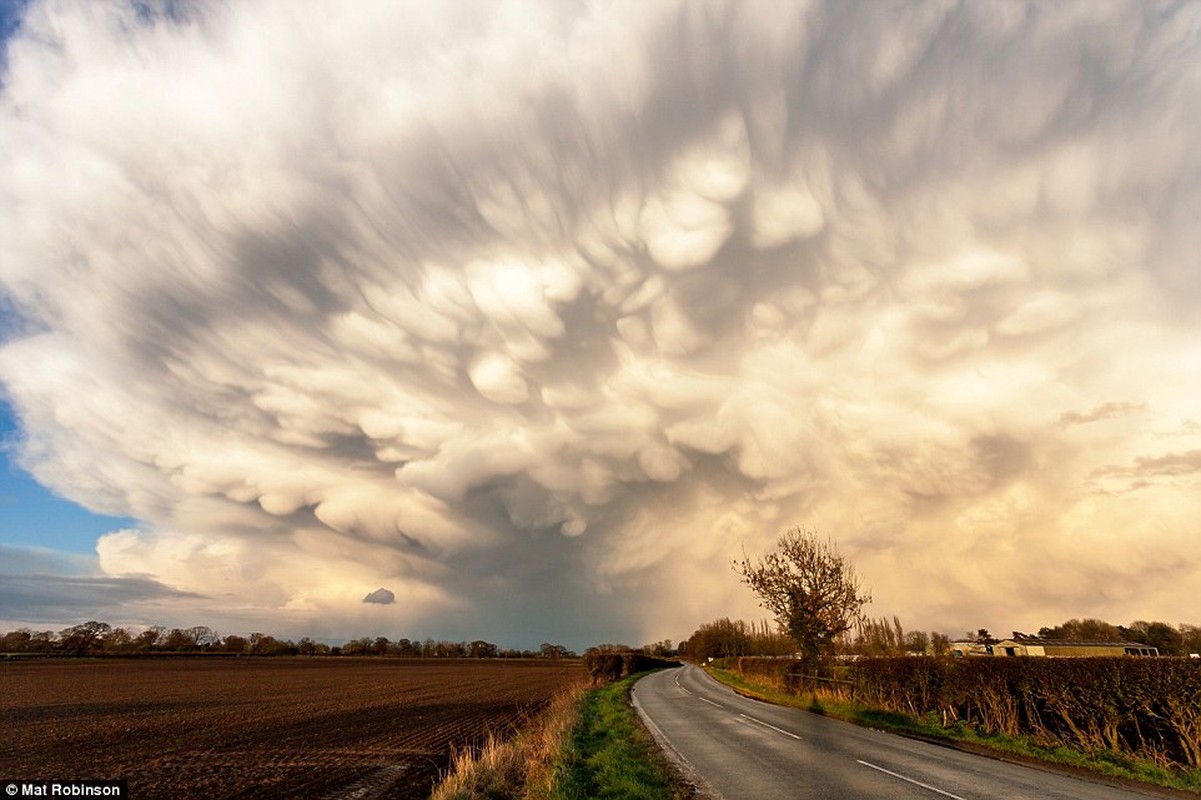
x: 536, y: 316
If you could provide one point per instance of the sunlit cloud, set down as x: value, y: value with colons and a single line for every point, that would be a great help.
x: 538, y: 314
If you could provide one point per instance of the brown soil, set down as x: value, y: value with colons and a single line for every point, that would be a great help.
x: 262, y: 727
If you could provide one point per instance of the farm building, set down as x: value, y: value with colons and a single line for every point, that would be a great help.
x: 1062, y: 648
x: 964, y: 648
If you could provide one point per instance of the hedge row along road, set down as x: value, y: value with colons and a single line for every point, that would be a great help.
x: 734, y: 748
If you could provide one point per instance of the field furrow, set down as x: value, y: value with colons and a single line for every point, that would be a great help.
x: 263, y: 728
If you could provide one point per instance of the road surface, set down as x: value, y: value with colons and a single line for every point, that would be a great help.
x: 733, y: 747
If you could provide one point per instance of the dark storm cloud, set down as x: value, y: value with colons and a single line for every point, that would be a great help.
x: 40, y: 585
x: 538, y: 312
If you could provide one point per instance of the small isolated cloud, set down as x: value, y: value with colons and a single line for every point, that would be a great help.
x: 1101, y: 412
x: 381, y: 596
x: 1146, y: 469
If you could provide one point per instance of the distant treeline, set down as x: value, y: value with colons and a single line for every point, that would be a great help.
x: 99, y: 638
x: 725, y: 638
x: 606, y: 665
x: 1171, y: 640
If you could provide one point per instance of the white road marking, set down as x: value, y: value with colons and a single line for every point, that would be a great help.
x: 773, y: 727
x: 710, y: 702
x: 911, y: 780
x: 705, y: 791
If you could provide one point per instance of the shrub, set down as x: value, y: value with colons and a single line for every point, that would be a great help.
x: 607, y: 667
x: 1149, y: 708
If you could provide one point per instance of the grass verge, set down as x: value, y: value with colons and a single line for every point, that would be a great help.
x: 1022, y: 748
x: 612, y: 755
x: 588, y: 744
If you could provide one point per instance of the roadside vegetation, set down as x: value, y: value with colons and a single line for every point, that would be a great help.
x: 1122, y: 717
x: 589, y: 744
x: 528, y: 765
x: 1022, y: 747
x: 810, y: 587
x: 612, y: 755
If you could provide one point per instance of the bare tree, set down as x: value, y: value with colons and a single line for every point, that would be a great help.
x: 117, y: 640
x: 880, y: 637
x: 149, y: 639
x: 178, y: 641
x: 1161, y: 635
x: 81, y: 639
x: 1087, y: 630
x: 235, y: 644
x: 16, y: 641
x: 660, y: 649
x: 551, y: 650
x: 202, y: 636
x: 263, y: 644
x: 481, y: 649
x: 917, y: 642
x: 810, y: 587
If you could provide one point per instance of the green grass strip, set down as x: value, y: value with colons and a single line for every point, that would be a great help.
x: 1107, y: 763
x: 611, y: 755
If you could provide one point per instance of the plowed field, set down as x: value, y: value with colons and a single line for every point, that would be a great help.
x: 262, y: 728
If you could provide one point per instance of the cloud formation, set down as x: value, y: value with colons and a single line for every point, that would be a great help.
x: 41, y: 586
x: 540, y: 313
x: 381, y: 596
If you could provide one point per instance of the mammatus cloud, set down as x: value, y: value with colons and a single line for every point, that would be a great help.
x: 540, y: 313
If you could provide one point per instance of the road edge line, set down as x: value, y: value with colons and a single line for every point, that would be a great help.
x: 687, y: 771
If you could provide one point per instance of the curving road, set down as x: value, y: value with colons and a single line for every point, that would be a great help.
x: 733, y: 747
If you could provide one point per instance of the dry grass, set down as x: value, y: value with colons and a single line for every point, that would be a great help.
x: 523, y: 766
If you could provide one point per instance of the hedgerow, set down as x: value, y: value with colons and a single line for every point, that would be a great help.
x: 1145, y: 707
x: 1149, y: 708
x: 607, y: 667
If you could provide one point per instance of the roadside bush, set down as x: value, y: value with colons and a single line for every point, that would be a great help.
x: 789, y: 675
x: 1146, y: 707
x: 608, y: 667
x: 1149, y: 708
x: 780, y: 673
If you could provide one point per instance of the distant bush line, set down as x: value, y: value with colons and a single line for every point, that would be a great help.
x: 605, y: 666
x: 1149, y: 708
x: 101, y: 639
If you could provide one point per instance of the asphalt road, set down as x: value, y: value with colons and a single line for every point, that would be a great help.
x: 733, y: 747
